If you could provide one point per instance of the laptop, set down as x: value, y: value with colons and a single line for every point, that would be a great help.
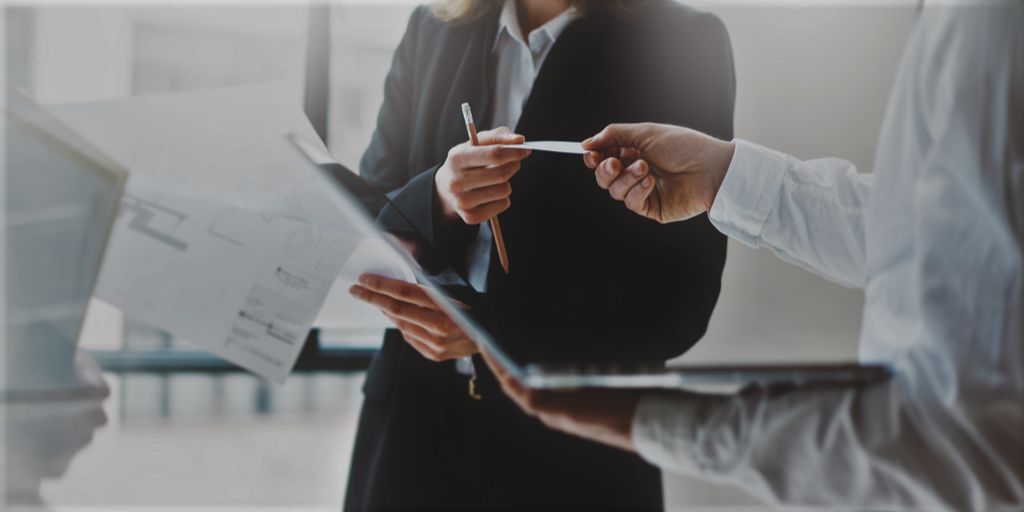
x: 490, y: 325
x: 61, y: 196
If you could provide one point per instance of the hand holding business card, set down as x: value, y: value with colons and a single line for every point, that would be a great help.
x: 552, y: 146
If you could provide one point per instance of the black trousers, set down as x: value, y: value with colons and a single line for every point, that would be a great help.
x: 424, y: 444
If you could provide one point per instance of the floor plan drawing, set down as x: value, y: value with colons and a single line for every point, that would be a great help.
x: 226, y: 238
x: 153, y: 220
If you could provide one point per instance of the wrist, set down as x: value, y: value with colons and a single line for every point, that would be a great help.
x: 720, y: 161
x: 623, y: 423
x: 444, y: 214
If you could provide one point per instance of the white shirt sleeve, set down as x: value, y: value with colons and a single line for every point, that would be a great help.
x: 809, y: 213
x: 870, y: 447
x: 944, y: 289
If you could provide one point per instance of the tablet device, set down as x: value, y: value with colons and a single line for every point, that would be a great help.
x: 491, y: 324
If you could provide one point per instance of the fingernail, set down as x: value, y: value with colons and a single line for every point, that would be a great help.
x: 646, y: 182
x: 637, y: 171
x: 364, y: 279
x: 355, y: 291
x: 588, y: 141
x: 510, y: 136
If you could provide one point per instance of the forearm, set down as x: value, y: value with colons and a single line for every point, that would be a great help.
x: 809, y: 213
x: 444, y: 215
x: 871, y: 447
x: 418, y: 202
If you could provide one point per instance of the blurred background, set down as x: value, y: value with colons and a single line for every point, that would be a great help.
x: 185, y: 433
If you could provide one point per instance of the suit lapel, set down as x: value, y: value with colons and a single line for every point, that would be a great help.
x: 475, y: 73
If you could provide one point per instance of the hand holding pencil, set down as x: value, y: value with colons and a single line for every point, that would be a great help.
x: 472, y: 184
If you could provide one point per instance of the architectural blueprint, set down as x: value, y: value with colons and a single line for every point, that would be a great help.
x: 241, y: 284
x: 226, y: 236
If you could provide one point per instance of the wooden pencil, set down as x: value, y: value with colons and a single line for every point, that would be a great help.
x: 467, y: 114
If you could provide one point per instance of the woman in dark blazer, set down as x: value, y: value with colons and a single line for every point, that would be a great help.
x: 575, y: 253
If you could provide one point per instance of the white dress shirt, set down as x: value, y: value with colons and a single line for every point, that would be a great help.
x: 518, y: 60
x: 936, y: 239
x: 518, y: 63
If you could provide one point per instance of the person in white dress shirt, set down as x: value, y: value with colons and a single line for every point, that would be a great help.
x: 934, y: 236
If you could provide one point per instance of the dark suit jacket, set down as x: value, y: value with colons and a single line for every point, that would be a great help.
x: 589, y: 280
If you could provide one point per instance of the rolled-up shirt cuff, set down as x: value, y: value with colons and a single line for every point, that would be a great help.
x: 749, y: 192
x: 664, y: 430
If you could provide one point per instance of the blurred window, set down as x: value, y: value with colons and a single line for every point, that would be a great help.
x: 177, y: 57
x: 20, y: 32
x: 363, y: 42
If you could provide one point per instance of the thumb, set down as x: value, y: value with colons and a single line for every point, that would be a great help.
x: 618, y: 136
x: 500, y: 135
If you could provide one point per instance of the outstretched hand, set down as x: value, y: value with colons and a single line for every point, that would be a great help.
x: 601, y: 415
x: 665, y: 173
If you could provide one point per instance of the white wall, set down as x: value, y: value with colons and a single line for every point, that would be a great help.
x: 3, y: 271
x: 812, y: 82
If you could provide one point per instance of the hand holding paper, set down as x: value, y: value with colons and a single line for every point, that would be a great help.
x: 423, y: 323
